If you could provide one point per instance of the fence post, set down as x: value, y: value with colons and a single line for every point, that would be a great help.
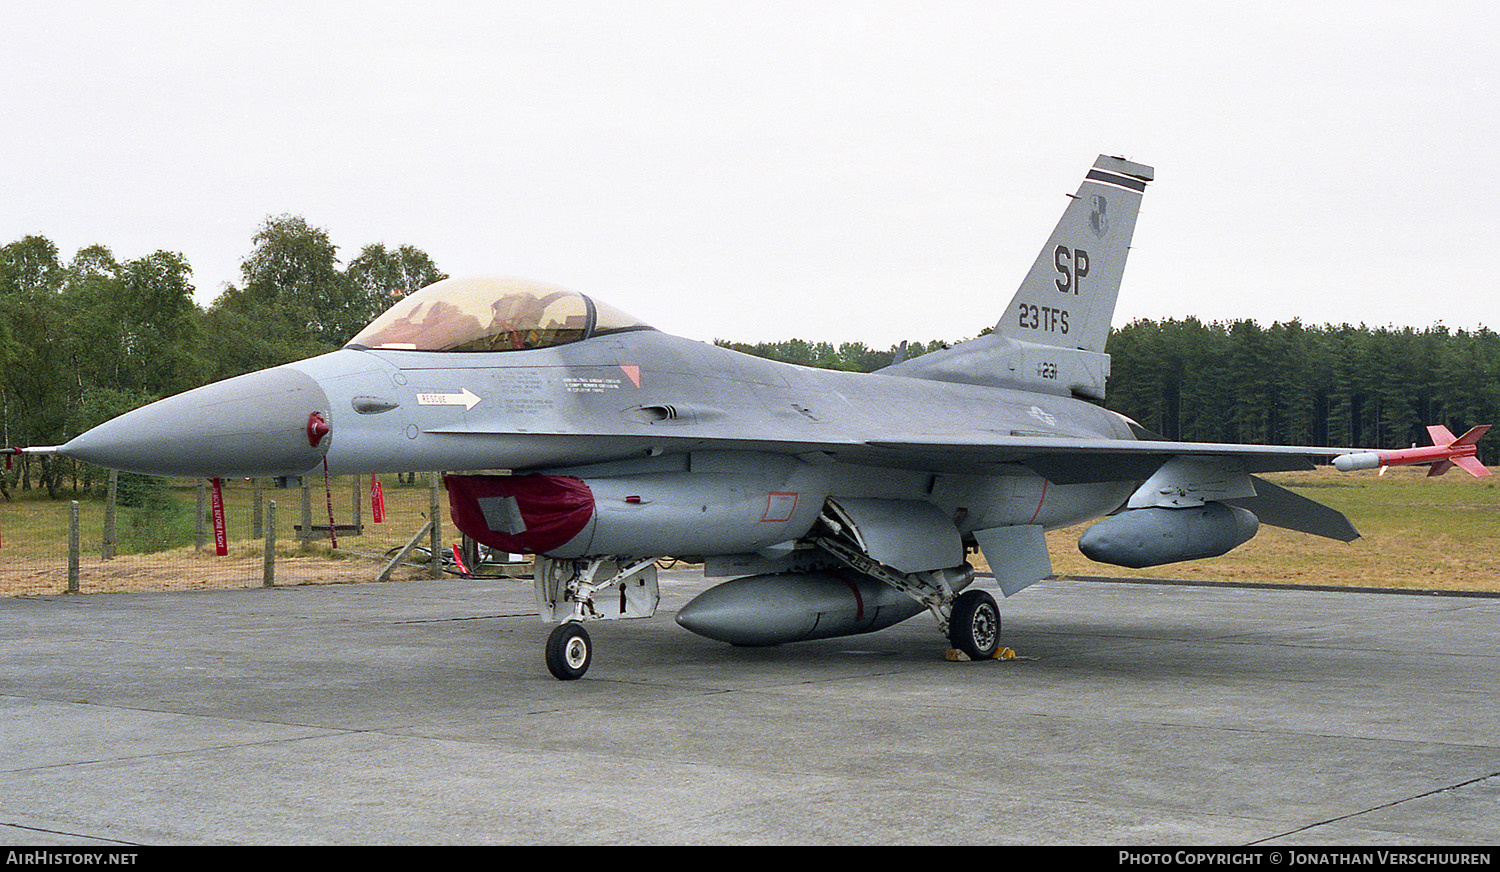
x: 73, y: 547
x: 307, y: 533
x: 111, y: 493
x: 355, y: 520
x: 268, y: 564
x: 434, y: 568
x: 200, y: 535
x: 257, y: 519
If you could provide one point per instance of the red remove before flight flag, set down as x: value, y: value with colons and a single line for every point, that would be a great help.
x: 221, y: 538
x: 377, y: 500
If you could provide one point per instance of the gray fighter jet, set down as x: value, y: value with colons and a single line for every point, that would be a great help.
x: 839, y: 503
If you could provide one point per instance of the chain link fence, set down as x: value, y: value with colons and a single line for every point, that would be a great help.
x: 138, y: 532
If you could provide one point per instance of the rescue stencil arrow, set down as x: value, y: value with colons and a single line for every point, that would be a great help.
x: 464, y: 398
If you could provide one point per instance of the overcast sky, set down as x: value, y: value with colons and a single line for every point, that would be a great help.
x: 756, y: 170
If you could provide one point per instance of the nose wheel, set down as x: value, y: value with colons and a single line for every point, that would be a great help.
x: 569, y: 651
x: 974, y: 627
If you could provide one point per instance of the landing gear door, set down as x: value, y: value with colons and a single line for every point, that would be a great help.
x: 906, y: 535
x: 596, y: 589
x: 1017, y: 555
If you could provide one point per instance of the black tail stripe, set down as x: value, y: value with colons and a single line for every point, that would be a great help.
x: 1112, y: 179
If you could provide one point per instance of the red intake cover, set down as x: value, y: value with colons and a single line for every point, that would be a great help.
x: 519, y: 513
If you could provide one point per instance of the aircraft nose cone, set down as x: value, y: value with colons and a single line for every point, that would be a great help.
x: 269, y: 423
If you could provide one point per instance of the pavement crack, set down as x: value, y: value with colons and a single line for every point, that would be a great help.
x: 162, y: 755
x: 1385, y: 805
x: 464, y: 618
x: 70, y: 834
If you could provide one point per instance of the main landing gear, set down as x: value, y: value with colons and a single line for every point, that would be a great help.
x: 974, y: 626
x: 970, y: 620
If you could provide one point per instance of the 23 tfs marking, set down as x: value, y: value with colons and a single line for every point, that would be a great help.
x: 1047, y: 318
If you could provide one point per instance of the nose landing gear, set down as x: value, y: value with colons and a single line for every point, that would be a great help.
x: 569, y: 651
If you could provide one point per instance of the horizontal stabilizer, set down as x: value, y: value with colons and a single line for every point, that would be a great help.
x: 1279, y: 507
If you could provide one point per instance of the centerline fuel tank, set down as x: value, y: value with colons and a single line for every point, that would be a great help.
x: 799, y: 606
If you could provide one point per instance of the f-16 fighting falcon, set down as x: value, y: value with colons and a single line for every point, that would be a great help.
x: 838, y: 503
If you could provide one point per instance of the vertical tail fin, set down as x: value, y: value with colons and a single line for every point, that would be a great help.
x: 1051, y: 338
x: 1068, y: 298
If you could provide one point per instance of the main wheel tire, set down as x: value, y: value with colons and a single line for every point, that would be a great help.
x: 974, y: 627
x: 569, y: 651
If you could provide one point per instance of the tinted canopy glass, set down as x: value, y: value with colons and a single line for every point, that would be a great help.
x: 491, y: 313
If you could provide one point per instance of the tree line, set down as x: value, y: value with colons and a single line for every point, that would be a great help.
x: 85, y: 340
x: 1296, y: 384
x: 847, y: 356
x: 1289, y: 383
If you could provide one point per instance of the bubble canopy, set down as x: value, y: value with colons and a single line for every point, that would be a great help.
x: 491, y: 313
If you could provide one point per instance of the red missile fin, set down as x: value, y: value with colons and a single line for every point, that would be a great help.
x: 1471, y: 465
x: 1460, y: 451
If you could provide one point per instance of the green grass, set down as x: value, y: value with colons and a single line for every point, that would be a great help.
x: 1417, y: 532
x: 157, y: 538
x: 34, y: 526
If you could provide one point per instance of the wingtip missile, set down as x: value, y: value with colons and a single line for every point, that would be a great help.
x: 1443, y: 454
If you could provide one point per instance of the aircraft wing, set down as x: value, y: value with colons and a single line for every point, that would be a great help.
x: 1079, y: 460
x: 1059, y: 459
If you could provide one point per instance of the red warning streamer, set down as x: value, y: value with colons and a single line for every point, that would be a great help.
x: 377, y: 499
x: 333, y: 536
